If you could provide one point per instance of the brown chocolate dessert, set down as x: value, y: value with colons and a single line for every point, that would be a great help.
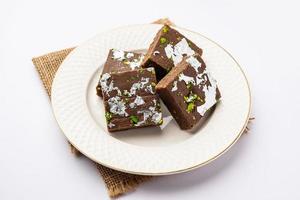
x: 167, y: 50
x: 130, y: 99
x: 120, y: 61
x: 188, y: 91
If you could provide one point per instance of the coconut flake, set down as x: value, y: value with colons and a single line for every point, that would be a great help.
x: 136, y: 62
x: 139, y: 85
x: 107, y: 88
x: 194, y: 63
x: 177, y: 52
x: 137, y: 102
x: 155, y: 53
x: 117, y: 106
x: 110, y: 125
x: 210, y: 96
x: 129, y: 55
x: 152, y: 114
x: 150, y: 69
x: 186, y: 79
x: 118, y: 55
x: 174, y: 88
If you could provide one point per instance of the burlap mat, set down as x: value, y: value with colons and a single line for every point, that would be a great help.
x: 116, y: 182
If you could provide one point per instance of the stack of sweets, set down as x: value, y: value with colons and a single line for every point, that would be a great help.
x: 188, y: 91
x: 185, y: 86
x: 167, y: 50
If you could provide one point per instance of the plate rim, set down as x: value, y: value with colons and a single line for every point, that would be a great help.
x: 175, y: 171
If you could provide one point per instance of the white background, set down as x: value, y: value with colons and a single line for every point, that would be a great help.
x: 35, y: 161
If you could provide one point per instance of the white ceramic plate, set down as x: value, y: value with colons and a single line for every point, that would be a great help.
x: 149, y: 151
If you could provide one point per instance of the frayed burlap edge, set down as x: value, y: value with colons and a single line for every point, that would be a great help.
x: 117, y: 183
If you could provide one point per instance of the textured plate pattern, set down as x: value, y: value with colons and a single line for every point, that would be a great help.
x: 69, y: 101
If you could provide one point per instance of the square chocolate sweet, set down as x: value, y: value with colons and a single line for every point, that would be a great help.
x: 188, y: 91
x: 167, y: 50
x: 120, y: 61
x: 130, y: 99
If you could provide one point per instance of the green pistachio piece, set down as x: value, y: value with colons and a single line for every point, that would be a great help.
x: 189, y: 86
x: 134, y: 119
x: 163, y: 40
x: 199, y: 99
x: 194, y: 97
x: 153, y: 84
x: 190, y: 107
x: 160, y: 122
x: 108, y: 116
x: 165, y: 29
x: 126, y: 62
x: 186, y: 98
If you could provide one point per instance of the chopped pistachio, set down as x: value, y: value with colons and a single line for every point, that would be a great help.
x: 153, y: 84
x: 126, y: 62
x: 163, y: 40
x: 190, y: 107
x: 165, y: 29
x: 161, y: 122
x: 189, y: 86
x: 199, y: 99
x: 186, y: 98
x: 134, y: 119
x: 108, y: 116
x: 190, y: 98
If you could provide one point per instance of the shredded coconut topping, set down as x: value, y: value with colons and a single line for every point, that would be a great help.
x: 139, y: 85
x: 110, y: 125
x: 137, y: 102
x: 156, y: 53
x: 107, y: 87
x: 194, y: 63
x: 177, y: 52
x: 174, y: 88
x: 186, y: 79
x: 129, y: 55
x: 151, y: 113
x: 117, y: 106
x: 210, y: 95
x: 118, y: 55
x: 136, y: 62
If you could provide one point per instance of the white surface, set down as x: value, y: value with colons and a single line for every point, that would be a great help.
x: 73, y: 90
x: 263, y: 36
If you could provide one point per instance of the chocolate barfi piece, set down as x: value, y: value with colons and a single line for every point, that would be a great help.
x: 167, y: 50
x: 120, y: 61
x: 130, y: 99
x: 188, y: 91
x: 125, y: 113
x: 140, y: 82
